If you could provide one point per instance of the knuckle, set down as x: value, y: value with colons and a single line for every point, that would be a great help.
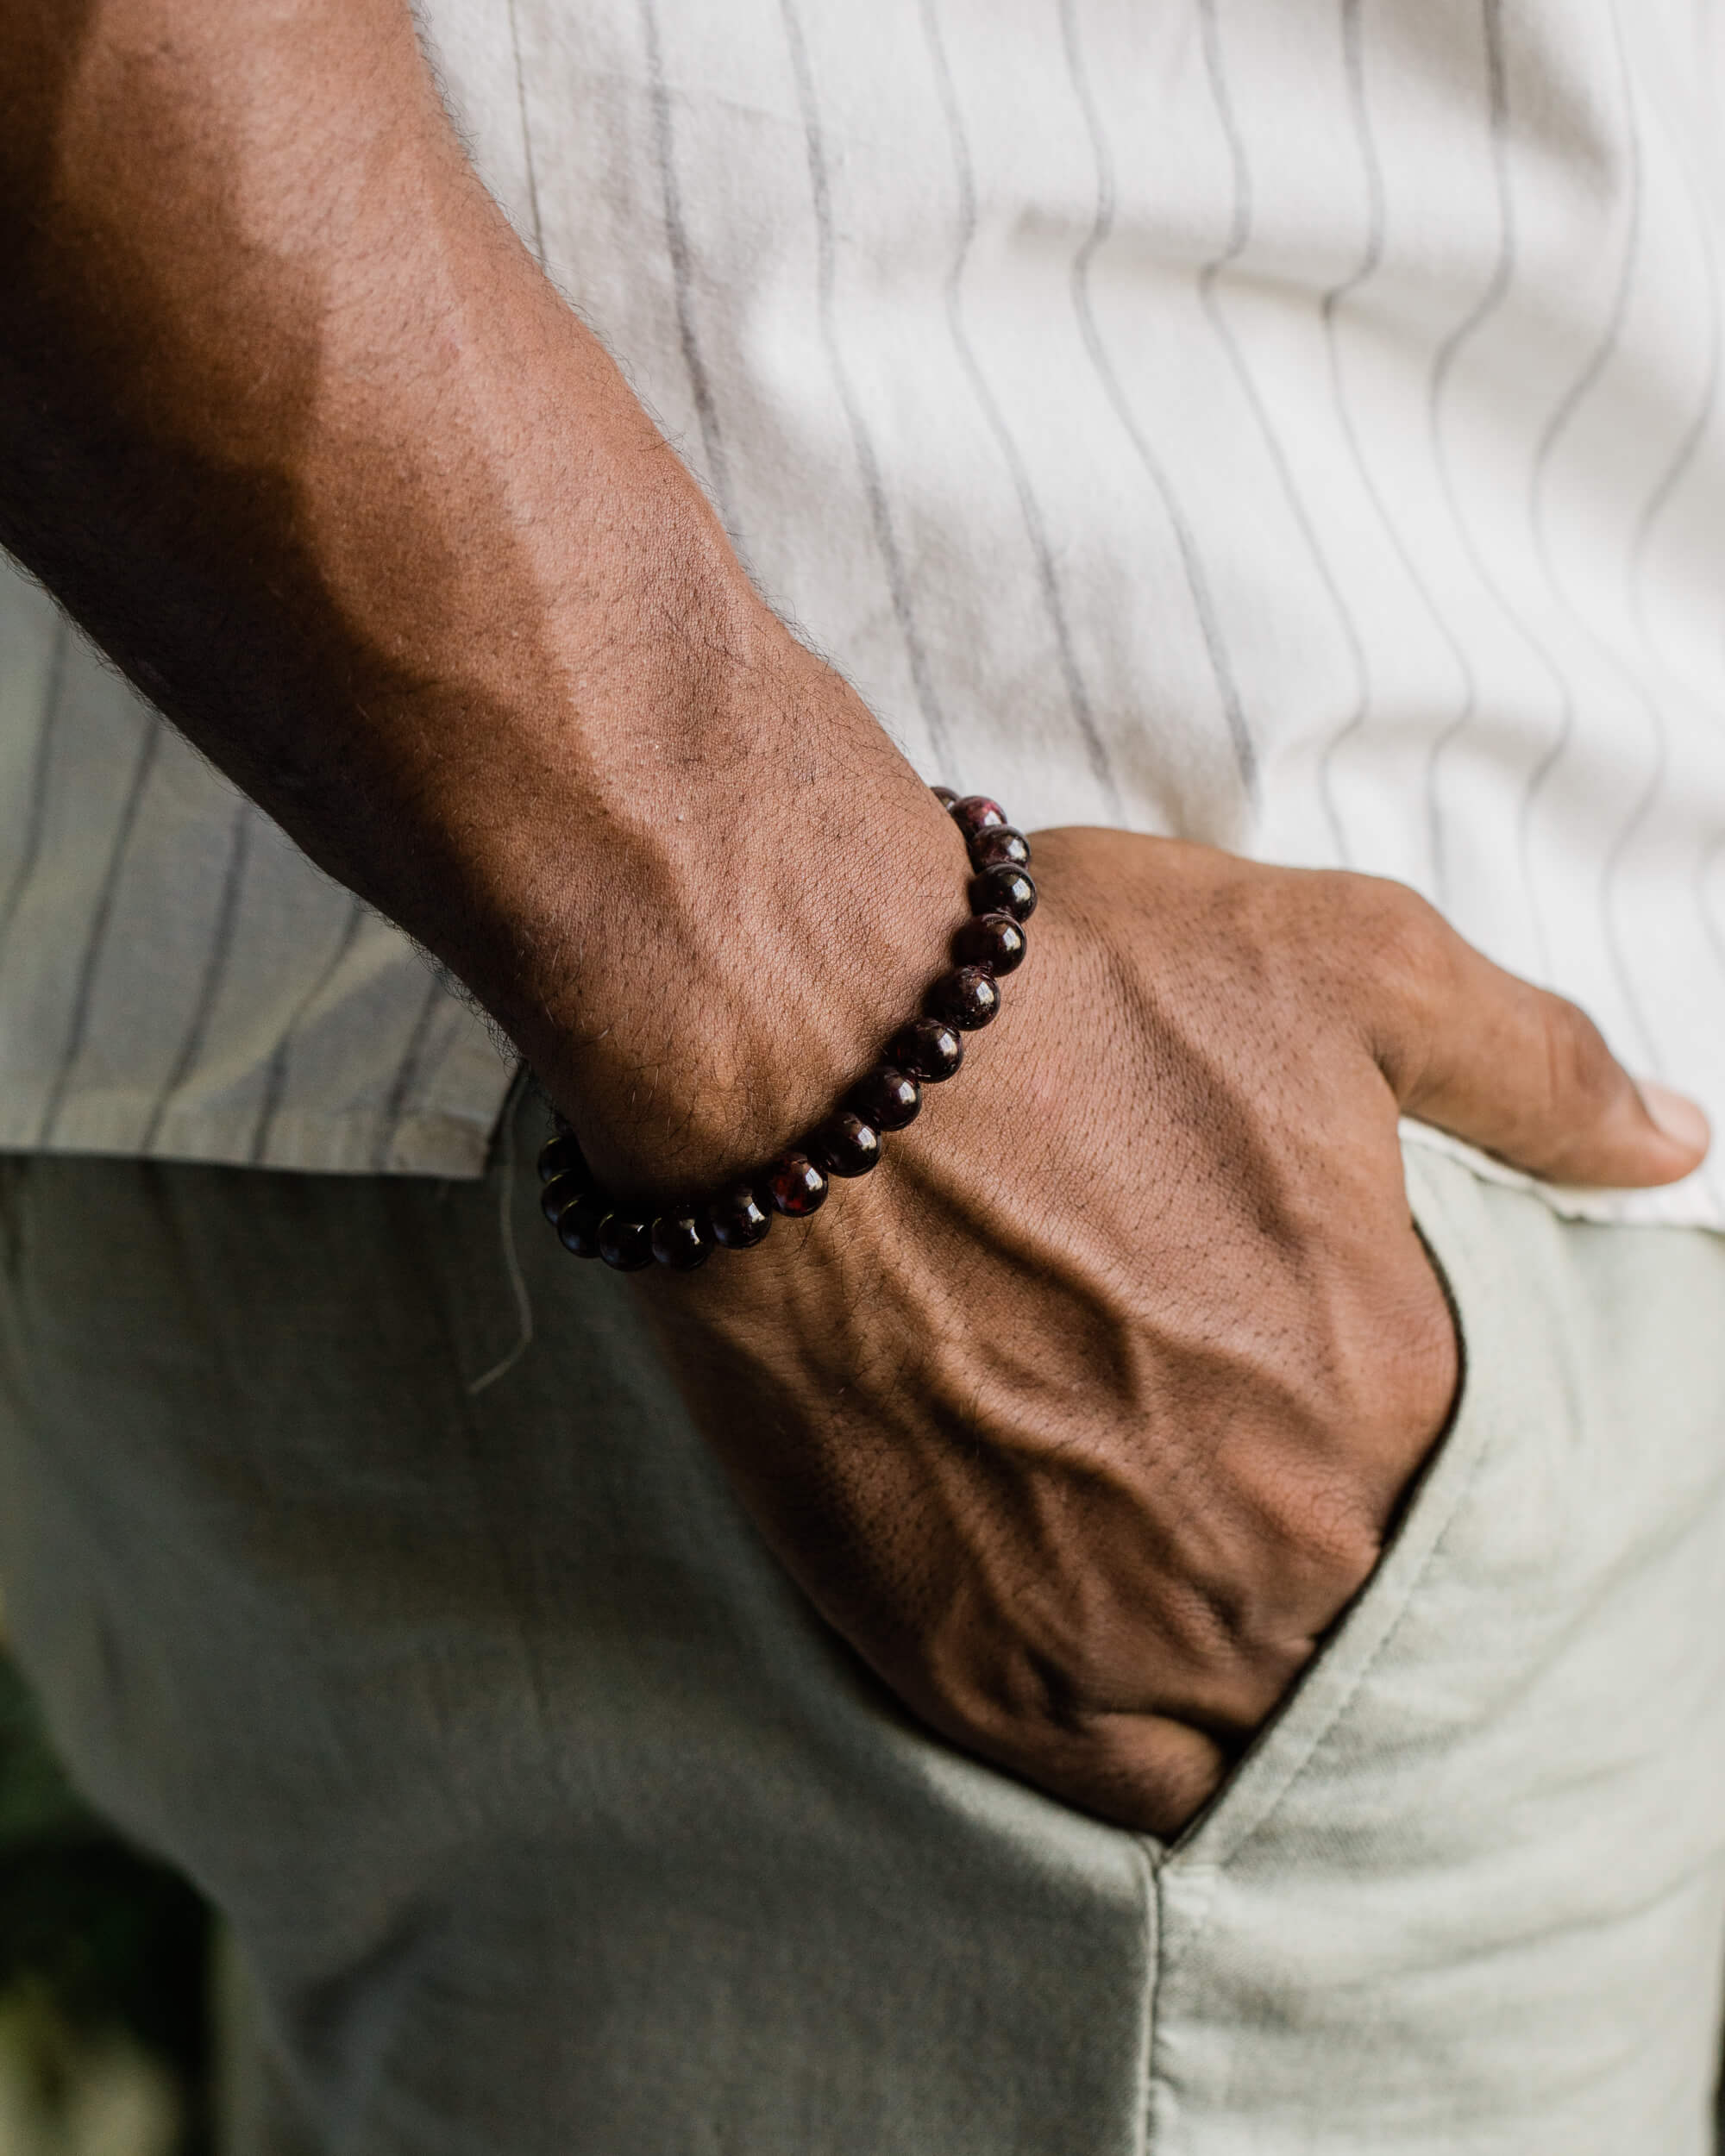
x: 1328, y: 1535
x: 1405, y: 1362
x: 1580, y: 1070
x: 1037, y: 1701
x: 1047, y: 1696
x: 1398, y: 938
x: 1005, y: 1693
x: 1337, y: 1534
x: 1411, y: 939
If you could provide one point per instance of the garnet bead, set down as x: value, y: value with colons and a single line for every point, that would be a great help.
x: 561, y: 1191
x: 990, y: 945
x: 561, y: 1156
x: 1003, y: 890
x: 993, y: 940
x: 625, y: 1243
x: 737, y: 1219
x: 967, y: 998
x: 1003, y: 847
x: 681, y: 1240
x: 976, y: 813
x: 579, y: 1224
x: 928, y: 1049
x: 845, y: 1144
x: 886, y: 1098
x: 796, y: 1187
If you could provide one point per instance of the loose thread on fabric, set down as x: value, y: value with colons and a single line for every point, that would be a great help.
x: 506, y: 1222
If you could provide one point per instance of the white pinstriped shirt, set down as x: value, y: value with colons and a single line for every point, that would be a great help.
x: 1291, y: 423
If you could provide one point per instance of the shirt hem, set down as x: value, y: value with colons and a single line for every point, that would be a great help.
x: 452, y: 1144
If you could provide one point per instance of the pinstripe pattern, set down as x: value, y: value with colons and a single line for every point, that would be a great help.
x: 1702, y: 423
x: 1240, y: 211
x: 868, y: 462
x: 278, y: 1070
x: 409, y: 1072
x: 1101, y: 228
x: 1294, y: 419
x: 682, y: 273
x: 1035, y: 524
x: 1334, y: 301
x: 1658, y: 499
x: 96, y: 938
x: 1665, y: 486
x: 220, y: 957
x: 1562, y: 419
x: 36, y: 811
x: 1443, y: 372
x: 532, y: 176
x: 1585, y: 385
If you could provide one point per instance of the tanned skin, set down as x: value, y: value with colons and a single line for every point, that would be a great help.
x: 1084, y: 1416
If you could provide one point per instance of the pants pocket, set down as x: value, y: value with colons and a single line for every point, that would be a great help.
x: 1277, y: 1752
x: 1465, y: 1895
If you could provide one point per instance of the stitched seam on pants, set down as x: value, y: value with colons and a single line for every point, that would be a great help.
x: 1160, y: 2082
x: 1394, y: 1617
x: 1391, y: 1633
x: 1144, y: 2090
x: 1151, y: 2139
x: 1212, y: 1873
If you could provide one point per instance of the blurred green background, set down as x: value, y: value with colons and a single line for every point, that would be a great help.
x: 105, y: 1972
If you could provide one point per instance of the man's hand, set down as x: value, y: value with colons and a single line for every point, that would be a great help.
x: 1084, y: 1416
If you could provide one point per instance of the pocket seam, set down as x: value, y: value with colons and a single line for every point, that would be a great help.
x: 1463, y: 1451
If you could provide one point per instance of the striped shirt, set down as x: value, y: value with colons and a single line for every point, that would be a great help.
x: 1294, y: 424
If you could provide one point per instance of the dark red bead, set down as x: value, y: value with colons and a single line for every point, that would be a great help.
x: 561, y: 1156
x: 945, y: 796
x: 845, y: 1144
x: 681, y: 1240
x: 625, y: 1243
x: 580, y: 1222
x: 561, y: 1191
x: 889, y: 1099
x: 796, y: 1187
x: 993, y: 940
x: 738, y: 1219
x: 1003, y: 890
x: 1003, y: 847
x: 976, y: 813
x: 928, y: 1049
x: 967, y: 998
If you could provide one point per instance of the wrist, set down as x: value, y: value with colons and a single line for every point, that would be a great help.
x: 849, y: 1141
x: 732, y: 924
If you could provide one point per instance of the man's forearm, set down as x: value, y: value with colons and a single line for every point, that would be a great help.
x: 299, y: 432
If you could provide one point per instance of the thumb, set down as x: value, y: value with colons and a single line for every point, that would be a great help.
x: 1527, y: 1077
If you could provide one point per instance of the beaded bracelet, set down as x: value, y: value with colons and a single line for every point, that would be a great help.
x: 923, y: 1053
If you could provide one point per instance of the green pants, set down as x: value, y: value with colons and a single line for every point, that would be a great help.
x: 551, y: 1823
